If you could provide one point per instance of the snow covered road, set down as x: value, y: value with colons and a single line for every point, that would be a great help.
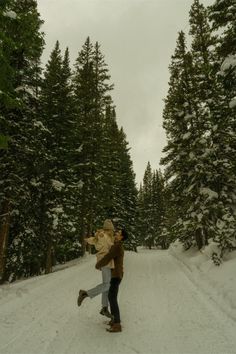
x: 162, y: 312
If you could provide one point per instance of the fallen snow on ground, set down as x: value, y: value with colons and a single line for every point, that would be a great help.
x: 163, y: 310
x: 218, y: 282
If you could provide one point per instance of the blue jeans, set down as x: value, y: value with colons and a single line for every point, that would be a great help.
x: 102, y: 288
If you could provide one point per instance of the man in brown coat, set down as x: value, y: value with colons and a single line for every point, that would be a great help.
x: 117, y: 254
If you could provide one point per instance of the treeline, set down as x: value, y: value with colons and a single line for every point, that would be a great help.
x: 194, y: 200
x: 200, y: 123
x: 152, y: 210
x: 64, y: 162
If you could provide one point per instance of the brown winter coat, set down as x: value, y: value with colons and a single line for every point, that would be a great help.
x: 117, y: 254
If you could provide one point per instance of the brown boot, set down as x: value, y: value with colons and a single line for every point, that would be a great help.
x: 116, y: 327
x: 82, y: 295
x: 105, y: 312
x: 111, y: 322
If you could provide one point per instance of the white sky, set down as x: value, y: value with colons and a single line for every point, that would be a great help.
x: 137, y: 38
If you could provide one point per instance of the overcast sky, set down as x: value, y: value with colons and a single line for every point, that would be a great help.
x: 137, y: 38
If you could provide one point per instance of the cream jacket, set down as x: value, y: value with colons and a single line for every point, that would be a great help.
x: 102, y: 242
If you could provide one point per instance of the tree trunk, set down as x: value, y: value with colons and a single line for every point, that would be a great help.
x: 48, y: 267
x: 82, y: 223
x: 4, y: 232
x: 82, y: 236
x: 206, y: 243
x: 199, y: 238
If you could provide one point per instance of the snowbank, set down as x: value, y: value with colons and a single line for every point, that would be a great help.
x: 219, y: 283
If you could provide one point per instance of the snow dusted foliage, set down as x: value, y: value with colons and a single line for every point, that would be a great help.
x: 104, y: 164
x: 11, y: 14
x: 151, y: 226
x: 200, y: 163
x: 90, y: 89
x: 180, y: 124
x: 66, y: 164
x: 228, y: 64
x: 62, y: 184
x: 232, y: 103
x: 57, y: 185
x: 125, y: 189
x: 146, y: 229
x: 223, y: 16
x: 21, y: 44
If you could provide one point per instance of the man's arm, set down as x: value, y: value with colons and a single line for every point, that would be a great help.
x: 114, y: 252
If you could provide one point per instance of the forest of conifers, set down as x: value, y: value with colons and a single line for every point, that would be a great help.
x: 65, y: 164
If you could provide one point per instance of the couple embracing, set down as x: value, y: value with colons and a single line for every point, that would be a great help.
x: 109, y: 244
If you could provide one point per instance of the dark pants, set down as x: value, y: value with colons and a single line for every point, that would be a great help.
x: 112, y: 296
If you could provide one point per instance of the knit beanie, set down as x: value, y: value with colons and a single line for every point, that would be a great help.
x: 107, y: 225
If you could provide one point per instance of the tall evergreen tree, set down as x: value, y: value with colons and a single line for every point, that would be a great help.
x: 127, y: 192
x: 89, y: 128
x: 151, y: 210
x: 6, y: 73
x: 222, y: 14
x: 201, y: 205
x: 58, y: 115
x: 181, y: 126
x: 198, y: 139
x: 110, y: 199
x: 91, y: 89
x: 147, y: 207
x: 21, y: 45
x: 158, y: 209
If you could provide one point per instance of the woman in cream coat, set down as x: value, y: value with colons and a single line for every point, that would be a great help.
x: 103, y: 240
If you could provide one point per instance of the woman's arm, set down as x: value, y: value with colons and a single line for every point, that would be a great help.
x: 90, y: 240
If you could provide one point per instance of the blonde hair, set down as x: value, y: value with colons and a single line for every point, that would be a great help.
x: 110, y: 233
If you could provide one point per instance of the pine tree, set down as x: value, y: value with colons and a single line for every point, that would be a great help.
x: 199, y: 140
x: 222, y: 13
x: 158, y: 209
x: 170, y: 215
x: 6, y: 73
x: 139, y: 226
x: 201, y: 206
x: 102, y: 124
x: 91, y: 95
x: 69, y: 169
x: 21, y: 45
x: 110, y: 199
x: 181, y: 125
x: 127, y: 192
x: 147, y: 228
x: 89, y: 129
x: 147, y: 205
x: 7, y: 99
x: 57, y: 217
x: 151, y: 210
